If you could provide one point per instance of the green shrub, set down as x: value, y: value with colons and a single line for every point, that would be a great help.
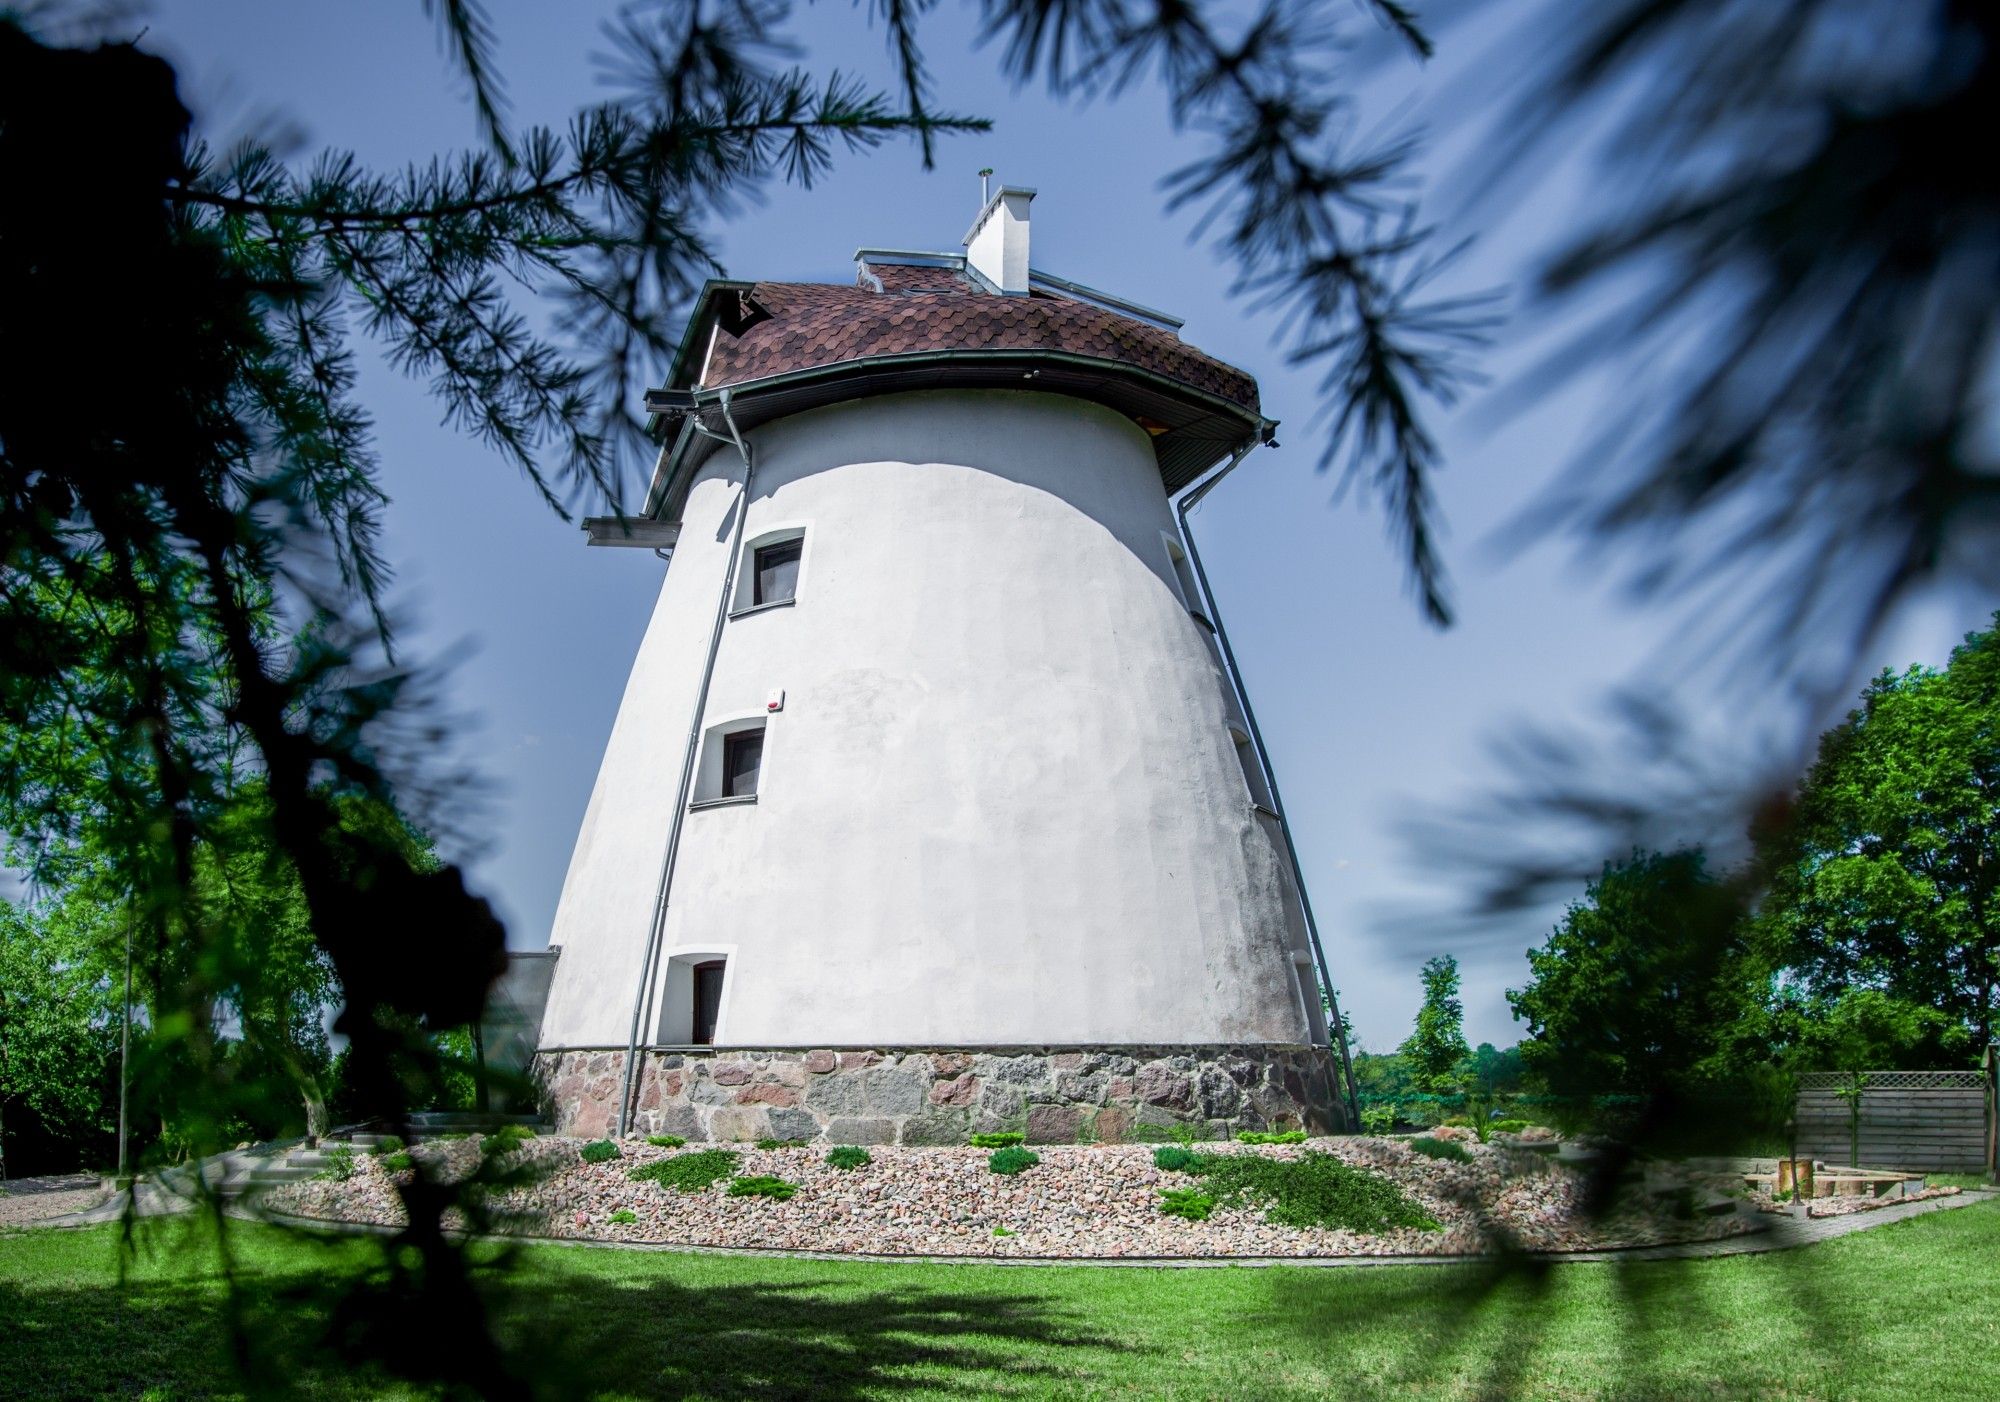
x: 1441, y: 1149
x: 849, y: 1156
x: 665, y: 1141
x: 1004, y: 1140
x: 1175, y: 1158
x: 762, y: 1186
x: 1378, y: 1120
x: 1313, y: 1190
x: 505, y: 1138
x: 781, y: 1143
x: 1271, y: 1136
x: 339, y: 1164
x: 624, y: 1216
x: 1012, y: 1160
x: 1190, y: 1203
x: 599, y: 1151
x: 1507, y: 1126
x: 387, y: 1144
x: 398, y: 1162
x: 689, y: 1172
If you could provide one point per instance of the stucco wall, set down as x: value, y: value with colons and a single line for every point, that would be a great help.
x: 1001, y: 804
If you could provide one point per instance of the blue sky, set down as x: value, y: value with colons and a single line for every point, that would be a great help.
x: 1371, y: 715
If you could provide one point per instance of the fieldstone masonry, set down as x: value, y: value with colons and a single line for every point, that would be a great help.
x: 924, y: 1096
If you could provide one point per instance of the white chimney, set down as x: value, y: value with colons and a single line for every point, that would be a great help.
x: 996, y: 247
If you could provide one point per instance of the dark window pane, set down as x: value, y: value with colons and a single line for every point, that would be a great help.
x: 778, y: 571
x: 707, y: 1001
x: 742, y: 757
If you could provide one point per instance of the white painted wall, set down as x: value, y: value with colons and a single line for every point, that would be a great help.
x: 1001, y: 804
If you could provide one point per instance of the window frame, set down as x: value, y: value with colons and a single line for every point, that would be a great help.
x: 796, y: 546
x: 732, y: 743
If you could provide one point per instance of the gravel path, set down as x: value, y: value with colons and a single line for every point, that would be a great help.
x: 25, y: 1201
x: 1080, y: 1202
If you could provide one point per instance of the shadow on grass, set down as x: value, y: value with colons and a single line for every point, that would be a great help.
x: 569, y: 1333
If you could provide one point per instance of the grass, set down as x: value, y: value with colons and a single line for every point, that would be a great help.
x: 1833, y: 1321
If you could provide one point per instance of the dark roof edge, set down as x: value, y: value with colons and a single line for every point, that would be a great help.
x: 673, y: 454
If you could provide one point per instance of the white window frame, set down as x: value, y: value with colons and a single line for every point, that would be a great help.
x: 708, y: 766
x: 743, y: 601
x: 676, y: 1021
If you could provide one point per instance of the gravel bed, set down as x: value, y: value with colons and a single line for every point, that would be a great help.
x: 25, y: 1201
x: 1080, y: 1201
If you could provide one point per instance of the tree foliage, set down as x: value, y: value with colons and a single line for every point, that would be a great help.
x: 59, y: 1021
x: 1884, y: 881
x: 1646, y: 985
x: 1435, y: 1050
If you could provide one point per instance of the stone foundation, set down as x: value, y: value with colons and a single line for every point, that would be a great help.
x: 939, y: 1096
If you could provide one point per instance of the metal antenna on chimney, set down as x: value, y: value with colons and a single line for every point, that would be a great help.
x: 984, y: 176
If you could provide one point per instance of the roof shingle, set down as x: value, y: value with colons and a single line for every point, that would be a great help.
x: 938, y: 309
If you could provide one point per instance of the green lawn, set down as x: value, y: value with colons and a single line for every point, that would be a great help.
x: 1902, y: 1311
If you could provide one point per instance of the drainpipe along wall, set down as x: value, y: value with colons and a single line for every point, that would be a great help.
x: 1336, y: 1032
x: 642, y: 996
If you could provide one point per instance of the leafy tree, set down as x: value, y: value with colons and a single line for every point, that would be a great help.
x: 1436, y: 1051
x: 1493, y: 1071
x: 59, y: 1024
x: 1646, y: 984
x: 1884, y: 879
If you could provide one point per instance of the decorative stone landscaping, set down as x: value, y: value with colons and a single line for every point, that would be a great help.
x: 1090, y: 1201
x: 917, y: 1096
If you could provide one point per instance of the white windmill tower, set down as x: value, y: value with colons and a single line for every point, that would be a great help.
x: 931, y: 805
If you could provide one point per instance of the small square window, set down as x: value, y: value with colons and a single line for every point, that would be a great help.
x: 742, y: 757
x: 777, y: 573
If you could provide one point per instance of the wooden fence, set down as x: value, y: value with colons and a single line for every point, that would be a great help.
x: 1920, y: 1121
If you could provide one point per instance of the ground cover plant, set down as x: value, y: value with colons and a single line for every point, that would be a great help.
x: 1313, y: 1190
x: 665, y: 1141
x: 509, y: 1137
x: 624, y: 1216
x: 339, y: 1164
x: 1191, y: 1203
x: 849, y: 1156
x: 689, y: 1172
x: 761, y: 1185
x: 1012, y: 1160
x: 1801, y: 1324
x: 781, y: 1143
x: 599, y: 1151
x: 999, y: 1139
x: 1441, y: 1149
x: 398, y: 1162
x: 1175, y: 1158
x: 1271, y: 1136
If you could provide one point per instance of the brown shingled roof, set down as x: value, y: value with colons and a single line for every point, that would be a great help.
x: 938, y: 309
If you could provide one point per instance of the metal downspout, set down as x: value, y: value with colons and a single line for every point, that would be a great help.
x: 1336, y: 1031
x: 642, y: 996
